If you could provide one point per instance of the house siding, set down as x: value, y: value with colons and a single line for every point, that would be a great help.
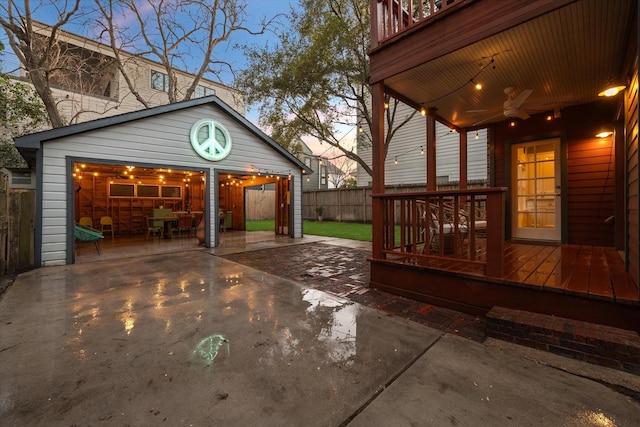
x: 159, y: 140
x: 632, y: 184
x: 412, y: 166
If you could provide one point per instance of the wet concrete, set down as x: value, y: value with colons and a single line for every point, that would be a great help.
x: 193, y: 339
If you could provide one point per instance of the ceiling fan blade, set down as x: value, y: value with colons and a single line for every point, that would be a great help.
x: 487, y: 119
x: 519, y: 100
x: 520, y: 114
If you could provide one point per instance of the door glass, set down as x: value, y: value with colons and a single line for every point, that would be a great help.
x: 535, y: 185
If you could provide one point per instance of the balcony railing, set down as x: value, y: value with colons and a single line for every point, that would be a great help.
x: 458, y: 229
x: 392, y: 17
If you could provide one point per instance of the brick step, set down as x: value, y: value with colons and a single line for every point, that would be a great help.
x: 602, y: 345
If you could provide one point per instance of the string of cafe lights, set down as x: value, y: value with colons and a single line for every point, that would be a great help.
x: 472, y: 80
x: 412, y: 150
x: 256, y: 171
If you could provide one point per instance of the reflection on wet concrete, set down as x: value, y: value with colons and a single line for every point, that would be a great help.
x: 148, y: 341
x: 109, y: 341
x: 207, y: 349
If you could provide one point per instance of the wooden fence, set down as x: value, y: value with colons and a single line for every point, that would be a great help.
x: 17, y: 217
x: 354, y: 204
x: 260, y: 204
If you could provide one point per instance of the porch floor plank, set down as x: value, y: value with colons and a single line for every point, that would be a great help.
x: 579, y: 278
x: 623, y: 286
x: 549, y: 262
x: 600, y: 279
x: 517, y: 267
x: 560, y: 275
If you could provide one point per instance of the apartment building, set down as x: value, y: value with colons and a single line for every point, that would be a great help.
x: 89, y: 85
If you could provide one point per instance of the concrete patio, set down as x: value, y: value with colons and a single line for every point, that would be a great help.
x: 191, y: 338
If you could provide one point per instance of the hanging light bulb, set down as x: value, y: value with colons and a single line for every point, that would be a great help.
x: 477, y: 136
x: 423, y: 111
x: 395, y: 161
x: 421, y: 150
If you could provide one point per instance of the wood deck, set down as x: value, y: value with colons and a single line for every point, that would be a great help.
x: 574, y: 281
x: 592, y: 271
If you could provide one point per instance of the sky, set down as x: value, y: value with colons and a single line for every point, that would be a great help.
x: 257, y: 10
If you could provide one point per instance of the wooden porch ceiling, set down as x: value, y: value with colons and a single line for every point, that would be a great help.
x: 564, y: 57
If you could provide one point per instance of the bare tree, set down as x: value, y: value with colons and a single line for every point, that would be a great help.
x: 39, y: 54
x: 179, y: 34
x: 341, y: 169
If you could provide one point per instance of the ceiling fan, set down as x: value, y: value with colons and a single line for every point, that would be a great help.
x: 511, y: 107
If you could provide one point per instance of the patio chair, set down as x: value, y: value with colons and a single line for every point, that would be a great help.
x: 86, y: 221
x: 106, y: 224
x: 153, y: 226
x: 444, y: 226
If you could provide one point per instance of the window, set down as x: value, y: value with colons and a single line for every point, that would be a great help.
x: 144, y: 191
x: 159, y: 81
x: 121, y: 190
x: 148, y: 190
x: 307, y: 162
x: 323, y: 175
x: 203, y: 91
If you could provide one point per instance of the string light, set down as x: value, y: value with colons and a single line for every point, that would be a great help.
x: 490, y: 63
x: 396, y: 160
x: 421, y: 150
x: 477, y: 136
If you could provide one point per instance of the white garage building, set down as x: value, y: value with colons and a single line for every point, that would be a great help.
x: 193, y: 156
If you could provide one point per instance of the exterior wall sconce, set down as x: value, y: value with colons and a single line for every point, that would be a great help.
x: 612, y: 88
x: 604, y: 133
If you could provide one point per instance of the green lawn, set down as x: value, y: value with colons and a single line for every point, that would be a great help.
x: 343, y: 230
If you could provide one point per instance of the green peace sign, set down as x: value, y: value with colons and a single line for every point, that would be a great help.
x: 210, y: 140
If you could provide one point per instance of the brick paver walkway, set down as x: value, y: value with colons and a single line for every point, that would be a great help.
x: 344, y: 272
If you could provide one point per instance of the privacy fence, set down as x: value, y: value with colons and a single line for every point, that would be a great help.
x: 354, y: 204
x: 17, y: 213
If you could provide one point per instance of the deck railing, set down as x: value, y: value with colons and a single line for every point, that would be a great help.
x: 465, y: 226
x: 391, y: 17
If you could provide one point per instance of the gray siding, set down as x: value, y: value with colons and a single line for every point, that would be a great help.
x: 411, y: 167
x: 157, y: 140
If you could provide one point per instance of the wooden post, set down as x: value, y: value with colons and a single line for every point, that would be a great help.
x: 378, y: 154
x: 431, y: 149
x: 495, y: 233
x: 463, y: 158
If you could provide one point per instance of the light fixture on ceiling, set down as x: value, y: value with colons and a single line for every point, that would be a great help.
x: 423, y: 111
x: 612, y: 88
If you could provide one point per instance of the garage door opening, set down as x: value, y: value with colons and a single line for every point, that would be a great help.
x: 254, y: 199
x: 136, y: 208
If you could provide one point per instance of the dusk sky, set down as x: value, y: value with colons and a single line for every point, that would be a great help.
x: 257, y: 10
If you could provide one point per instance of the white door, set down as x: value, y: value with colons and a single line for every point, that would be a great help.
x: 536, y: 184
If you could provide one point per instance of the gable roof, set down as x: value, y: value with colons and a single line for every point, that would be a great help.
x: 28, y: 145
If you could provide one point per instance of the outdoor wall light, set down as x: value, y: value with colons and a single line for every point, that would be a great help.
x: 612, y: 88
x: 604, y: 133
